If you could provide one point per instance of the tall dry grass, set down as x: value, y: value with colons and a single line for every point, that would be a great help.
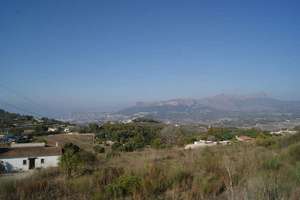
x: 235, y: 172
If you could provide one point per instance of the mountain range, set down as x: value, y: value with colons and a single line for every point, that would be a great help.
x: 215, y: 108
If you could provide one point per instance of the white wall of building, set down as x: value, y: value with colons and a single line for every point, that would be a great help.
x: 204, y: 143
x: 22, y: 145
x: 16, y: 164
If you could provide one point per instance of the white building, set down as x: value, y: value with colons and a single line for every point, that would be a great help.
x: 283, y: 132
x: 67, y: 130
x: 205, y: 143
x: 52, y: 129
x: 127, y: 121
x: 27, y: 157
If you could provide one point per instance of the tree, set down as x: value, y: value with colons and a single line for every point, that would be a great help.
x: 156, y: 143
x: 70, y: 160
x: 93, y: 127
x: 40, y: 130
x: 2, y: 167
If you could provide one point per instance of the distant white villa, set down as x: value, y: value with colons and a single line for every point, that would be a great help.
x: 283, y: 132
x: 205, y: 143
x: 67, y: 130
x: 127, y: 121
x: 50, y: 129
x: 27, y: 156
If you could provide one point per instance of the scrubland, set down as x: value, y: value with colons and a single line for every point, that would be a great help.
x: 267, y: 169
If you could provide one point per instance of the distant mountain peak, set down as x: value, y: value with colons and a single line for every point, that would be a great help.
x: 190, y: 101
x: 238, y: 96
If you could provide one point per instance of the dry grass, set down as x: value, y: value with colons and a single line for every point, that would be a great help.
x: 235, y: 172
x: 84, y: 141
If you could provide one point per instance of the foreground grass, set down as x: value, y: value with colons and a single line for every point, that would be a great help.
x: 267, y: 170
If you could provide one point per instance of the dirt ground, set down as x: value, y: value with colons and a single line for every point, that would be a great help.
x: 84, y: 141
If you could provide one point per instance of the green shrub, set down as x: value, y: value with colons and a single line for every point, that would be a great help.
x: 70, y: 161
x: 2, y: 168
x: 266, y: 142
x: 294, y: 152
x: 123, y: 186
x: 289, y: 140
x: 87, y: 158
x: 99, y: 149
x: 156, y: 143
x: 272, y: 164
x: 128, y: 147
x: 117, y: 146
x: 297, y: 172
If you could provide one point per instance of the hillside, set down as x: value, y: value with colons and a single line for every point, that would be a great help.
x: 16, y: 123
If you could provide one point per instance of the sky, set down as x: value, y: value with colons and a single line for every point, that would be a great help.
x: 72, y: 55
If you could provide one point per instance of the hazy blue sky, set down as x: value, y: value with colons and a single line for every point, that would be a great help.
x: 84, y: 55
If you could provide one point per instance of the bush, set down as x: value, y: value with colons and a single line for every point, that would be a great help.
x: 99, y: 149
x: 156, y: 143
x: 128, y: 147
x: 266, y: 142
x: 70, y: 161
x: 117, y: 146
x: 297, y: 172
x: 2, y: 167
x: 289, y: 140
x: 124, y: 186
x: 272, y: 164
x: 86, y: 162
x: 294, y: 152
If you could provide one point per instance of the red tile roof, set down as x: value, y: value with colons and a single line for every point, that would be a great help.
x: 29, y: 152
x: 244, y: 138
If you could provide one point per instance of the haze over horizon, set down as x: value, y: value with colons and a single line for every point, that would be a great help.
x: 65, y: 56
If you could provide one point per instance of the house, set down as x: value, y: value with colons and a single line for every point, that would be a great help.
x: 284, y: 132
x: 67, y: 130
x: 52, y: 129
x: 28, y: 156
x: 127, y: 121
x: 205, y: 143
